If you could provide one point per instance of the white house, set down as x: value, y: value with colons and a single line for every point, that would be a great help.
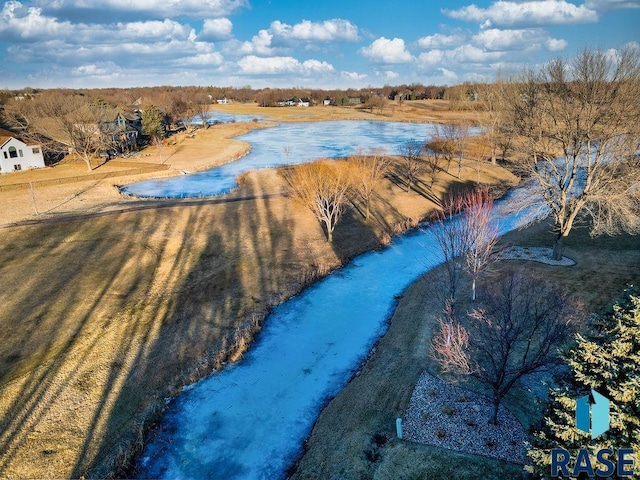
x: 16, y: 155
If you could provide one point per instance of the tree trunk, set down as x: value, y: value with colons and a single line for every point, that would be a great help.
x: 557, y: 247
x: 494, y: 411
x: 473, y: 290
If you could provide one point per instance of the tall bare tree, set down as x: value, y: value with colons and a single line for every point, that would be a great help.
x: 466, y: 236
x: 482, y: 233
x: 369, y: 169
x: 516, y: 331
x: 580, y: 123
x: 411, y: 163
x: 322, y: 187
x: 453, y: 237
x: 201, y: 108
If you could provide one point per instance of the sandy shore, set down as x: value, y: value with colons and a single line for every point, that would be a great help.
x: 79, y: 191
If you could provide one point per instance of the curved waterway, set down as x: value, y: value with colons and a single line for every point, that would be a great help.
x: 287, y: 144
x: 250, y: 420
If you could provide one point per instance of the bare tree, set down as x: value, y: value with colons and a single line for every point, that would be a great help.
x: 65, y: 122
x: 432, y: 166
x: 450, y: 139
x: 321, y: 187
x: 517, y: 330
x: 449, y: 347
x: 482, y: 233
x: 368, y: 171
x: 466, y: 236
x: 201, y: 108
x: 411, y: 163
x: 498, y: 133
x: 580, y: 123
x: 452, y: 235
x: 441, y: 147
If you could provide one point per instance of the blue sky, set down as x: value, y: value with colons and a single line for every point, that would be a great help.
x: 284, y: 43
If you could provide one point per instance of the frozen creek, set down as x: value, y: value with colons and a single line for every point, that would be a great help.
x: 249, y: 421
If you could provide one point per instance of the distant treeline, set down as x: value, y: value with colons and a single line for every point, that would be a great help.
x: 165, y: 95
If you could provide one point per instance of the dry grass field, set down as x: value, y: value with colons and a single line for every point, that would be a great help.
x: 355, y: 438
x: 104, y: 317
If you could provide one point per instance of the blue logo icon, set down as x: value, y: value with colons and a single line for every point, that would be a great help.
x: 592, y: 417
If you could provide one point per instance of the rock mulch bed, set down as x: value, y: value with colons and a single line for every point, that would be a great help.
x: 451, y: 417
x: 536, y: 254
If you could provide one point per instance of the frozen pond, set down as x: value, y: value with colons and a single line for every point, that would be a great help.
x: 250, y: 420
x: 288, y: 143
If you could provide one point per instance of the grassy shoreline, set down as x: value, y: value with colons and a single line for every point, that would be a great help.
x: 354, y: 437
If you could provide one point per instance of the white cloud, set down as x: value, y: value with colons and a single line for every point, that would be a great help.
x: 601, y: 5
x: 448, y: 75
x: 145, y: 30
x: 22, y: 23
x: 354, y: 75
x: 556, y: 45
x: 252, y: 65
x: 216, y: 28
x: 95, y: 69
x: 260, y: 44
x: 390, y: 74
x: 327, y: 31
x: 439, y: 40
x: 202, y: 59
x: 473, y: 54
x: 153, y: 8
x: 522, y: 39
x: 527, y: 13
x: 431, y: 58
x: 384, y: 50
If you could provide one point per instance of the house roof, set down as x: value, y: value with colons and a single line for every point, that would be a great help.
x: 6, y: 135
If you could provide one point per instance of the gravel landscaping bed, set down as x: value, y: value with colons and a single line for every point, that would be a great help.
x: 451, y: 417
x: 536, y: 254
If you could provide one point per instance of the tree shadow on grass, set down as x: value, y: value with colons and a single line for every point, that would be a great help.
x: 115, y: 313
x: 212, y: 316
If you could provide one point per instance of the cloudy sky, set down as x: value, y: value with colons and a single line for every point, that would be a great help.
x: 308, y: 43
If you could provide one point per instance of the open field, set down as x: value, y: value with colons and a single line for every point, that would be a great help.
x: 106, y: 316
x: 354, y: 437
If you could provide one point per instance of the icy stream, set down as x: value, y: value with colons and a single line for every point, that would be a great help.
x: 250, y: 420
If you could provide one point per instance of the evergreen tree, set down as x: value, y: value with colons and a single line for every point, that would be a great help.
x: 610, y: 364
x: 151, y: 123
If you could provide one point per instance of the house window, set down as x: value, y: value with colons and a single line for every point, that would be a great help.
x: 13, y: 153
x: 5, y: 155
x: 17, y: 167
x: 36, y: 150
x: 20, y: 152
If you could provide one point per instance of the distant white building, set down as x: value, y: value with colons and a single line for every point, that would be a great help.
x: 15, y: 155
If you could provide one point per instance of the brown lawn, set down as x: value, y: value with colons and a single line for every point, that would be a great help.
x: 104, y: 317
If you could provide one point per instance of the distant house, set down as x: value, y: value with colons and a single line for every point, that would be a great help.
x: 17, y: 155
x: 121, y: 123
x: 294, y: 102
x: 327, y: 102
x: 223, y: 101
